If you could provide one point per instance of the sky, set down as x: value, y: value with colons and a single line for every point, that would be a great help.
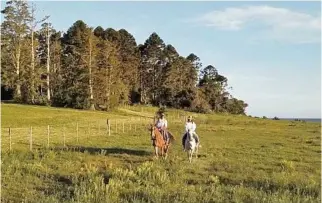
x: 269, y: 51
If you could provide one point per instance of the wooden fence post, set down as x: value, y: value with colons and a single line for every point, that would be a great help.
x: 99, y: 128
x: 108, y: 127
x: 64, y: 136
x: 10, y: 139
x: 116, y: 126
x: 30, y: 138
x: 77, y: 131
x: 48, y: 133
x: 89, y: 130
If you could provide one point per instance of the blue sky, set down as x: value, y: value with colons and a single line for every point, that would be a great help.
x: 270, y: 51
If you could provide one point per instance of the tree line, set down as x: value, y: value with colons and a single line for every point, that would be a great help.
x: 97, y: 68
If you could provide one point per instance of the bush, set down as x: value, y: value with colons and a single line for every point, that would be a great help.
x: 42, y: 100
x: 200, y: 105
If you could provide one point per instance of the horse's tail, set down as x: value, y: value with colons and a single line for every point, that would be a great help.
x: 172, y: 138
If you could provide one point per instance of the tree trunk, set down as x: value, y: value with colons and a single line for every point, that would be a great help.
x: 90, y: 74
x: 141, y: 87
x: 32, y: 88
x: 107, y: 88
x: 48, y: 64
x: 18, y: 83
x: 56, y: 68
x: 18, y: 86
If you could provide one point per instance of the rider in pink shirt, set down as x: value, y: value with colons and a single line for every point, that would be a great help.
x: 162, y: 125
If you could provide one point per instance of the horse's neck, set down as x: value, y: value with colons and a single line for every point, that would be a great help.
x: 157, y: 133
x: 158, y: 138
x: 190, y: 138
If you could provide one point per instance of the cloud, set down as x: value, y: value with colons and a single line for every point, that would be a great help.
x: 277, y: 23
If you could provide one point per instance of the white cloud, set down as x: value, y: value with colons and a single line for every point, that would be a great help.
x: 278, y: 23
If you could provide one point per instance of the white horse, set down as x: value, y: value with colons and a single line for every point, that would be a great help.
x: 191, y: 145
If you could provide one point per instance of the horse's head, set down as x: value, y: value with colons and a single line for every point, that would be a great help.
x: 152, y: 130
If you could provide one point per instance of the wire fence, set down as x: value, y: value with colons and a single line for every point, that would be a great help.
x: 73, y: 132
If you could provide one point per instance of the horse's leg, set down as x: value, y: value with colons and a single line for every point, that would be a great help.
x: 156, y: 151
x: 162, y: 151
x: 190, y: 155
x: 197, y: 151
x: 166, y: 152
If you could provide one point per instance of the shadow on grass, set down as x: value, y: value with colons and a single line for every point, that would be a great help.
x: 106, y: 151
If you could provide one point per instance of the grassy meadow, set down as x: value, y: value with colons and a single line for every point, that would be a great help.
x: 242, y: 159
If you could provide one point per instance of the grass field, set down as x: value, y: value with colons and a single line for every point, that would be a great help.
x: 242, y: 159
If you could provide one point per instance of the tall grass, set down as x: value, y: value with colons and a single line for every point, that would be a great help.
x: 241, y: 160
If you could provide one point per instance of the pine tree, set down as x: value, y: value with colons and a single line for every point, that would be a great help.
x: 129, y: 63
x: 151, y: 68
x: 107, y: 75
x: 170, y: 76
x: 14, y: 30
x: 35, y: 72
x: 49, y: 56
x: 56, y: 71
x: 214, y: 87
x: 102, y: 69
x: 75, y: 72
x: 91, y: 55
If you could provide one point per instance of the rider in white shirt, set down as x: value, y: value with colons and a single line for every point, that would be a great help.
x: 190, y: 125
x: 162, y: 125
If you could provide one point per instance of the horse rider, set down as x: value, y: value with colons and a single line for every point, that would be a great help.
x: 162, y: 125
x: 190, y: 125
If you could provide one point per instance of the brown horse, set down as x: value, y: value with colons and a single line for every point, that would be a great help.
x: 159, y: 143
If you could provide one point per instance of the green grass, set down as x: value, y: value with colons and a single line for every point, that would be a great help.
x: 242, y: 159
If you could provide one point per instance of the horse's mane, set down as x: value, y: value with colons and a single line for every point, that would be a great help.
x: 158, y: 136
x: 156, y: 132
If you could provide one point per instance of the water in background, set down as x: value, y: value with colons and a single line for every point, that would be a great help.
x: 316, y: 120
